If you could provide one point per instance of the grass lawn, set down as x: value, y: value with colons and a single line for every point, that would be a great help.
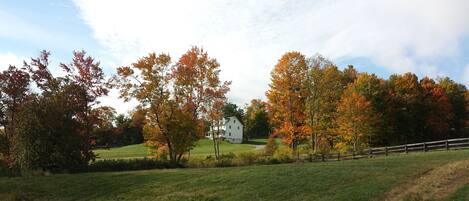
x: 461, y: 195
x: 366, y: 179
x: 204, y: 147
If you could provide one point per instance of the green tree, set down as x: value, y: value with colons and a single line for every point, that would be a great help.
x: 405, y: 108
x: 256, y: 120
x: 231, y: 109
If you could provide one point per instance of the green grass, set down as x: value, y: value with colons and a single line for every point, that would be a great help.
x: 461, y: 194
x: 204, y: 147
x: 366, y: 179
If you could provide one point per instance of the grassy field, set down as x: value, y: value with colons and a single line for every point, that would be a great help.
x: 366, y: 179
x: 204, y: 147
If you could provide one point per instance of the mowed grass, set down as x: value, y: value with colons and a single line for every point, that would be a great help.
x: 461, y: 195
x: 204, y: 147
x: 365, y: 179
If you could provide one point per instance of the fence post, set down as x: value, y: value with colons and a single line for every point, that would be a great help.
x: 386, y: 151
x: 405, y: 148
x: 338, y: 156
x: 322, y: 157
x: 425, y: 147
x: 371, y: 153
x: 446, y: 145
x: 353, y: 154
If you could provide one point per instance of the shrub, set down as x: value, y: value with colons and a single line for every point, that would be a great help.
x: 271, y: 146
x: 250, y: 158
x: 226, y: 160
x: 129, y: 164
x: 283, y: 155
x: 16, y: 196
x: 198, y: 162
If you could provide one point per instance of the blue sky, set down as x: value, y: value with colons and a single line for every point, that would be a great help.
x: 427, y: 37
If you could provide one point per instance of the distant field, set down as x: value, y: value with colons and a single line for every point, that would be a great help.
x: 365, y: 179
x: 203, y: 148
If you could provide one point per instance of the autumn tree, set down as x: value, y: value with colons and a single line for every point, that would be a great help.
x: 325, y: 84
x: 287, y: 94
x: 198, y: 87
x: 14, y: 92
x: 456, y: 96
x: 438, y: 113
x: 37, y: 143
x: 149, y: 81
x: 85, y: 72
x: 374, y: 90
x: 356, y: 122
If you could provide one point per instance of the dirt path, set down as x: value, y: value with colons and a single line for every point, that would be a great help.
x: 434, y: 184
x: 257, y: 147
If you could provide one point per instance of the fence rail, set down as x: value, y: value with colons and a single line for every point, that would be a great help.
x: 458, y: 143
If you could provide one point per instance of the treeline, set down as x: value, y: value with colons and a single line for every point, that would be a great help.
x: 52, y: 123
x: 112, y: 130
x: 313, y: 103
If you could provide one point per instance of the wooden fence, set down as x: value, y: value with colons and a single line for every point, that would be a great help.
x: 459, y: 143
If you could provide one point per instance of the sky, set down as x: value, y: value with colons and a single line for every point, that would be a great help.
x: 427, y: 37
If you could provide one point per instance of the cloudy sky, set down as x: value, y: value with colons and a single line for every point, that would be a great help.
x: 428, y: 37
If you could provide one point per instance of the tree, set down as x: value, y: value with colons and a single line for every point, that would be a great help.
x: 356, y: 121
x: 437, y: 114
x: 456, y: 96
x: 256, y: 120
x: 199, y: 88
x: 40, y: 144
x: 325, y: 86
x: 231, y: 109
x: 104, y: 133
x: 176, y: 99
x: 85, y: 72
x: 374, y: 90
x: 14, y: 92
x: 149, y: 81
x: 404, y: 108
x: 286, y: 98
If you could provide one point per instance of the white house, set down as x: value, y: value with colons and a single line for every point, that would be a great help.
x: 231, y: 130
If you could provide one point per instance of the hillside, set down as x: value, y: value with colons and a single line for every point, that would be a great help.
x: 366, y: 179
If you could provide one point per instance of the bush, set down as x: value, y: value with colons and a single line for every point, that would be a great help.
x: 283, y: 155
x: 226, y: 160
x: 197, y: 162
x: 16, y: 196
x: 250, y: 158
x: 129, y: 164
x: 271, y: 146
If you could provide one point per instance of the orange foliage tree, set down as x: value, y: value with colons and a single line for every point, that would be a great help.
x: 199, y: 88
x: 287, y: 96
x: 356, y: 121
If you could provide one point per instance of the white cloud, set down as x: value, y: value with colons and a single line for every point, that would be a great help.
x: 248, y: 37
x: 7, y: 59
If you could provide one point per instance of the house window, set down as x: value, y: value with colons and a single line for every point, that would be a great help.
x: 238, y: 127
x: 229, y: 126
x: 229, y: 134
